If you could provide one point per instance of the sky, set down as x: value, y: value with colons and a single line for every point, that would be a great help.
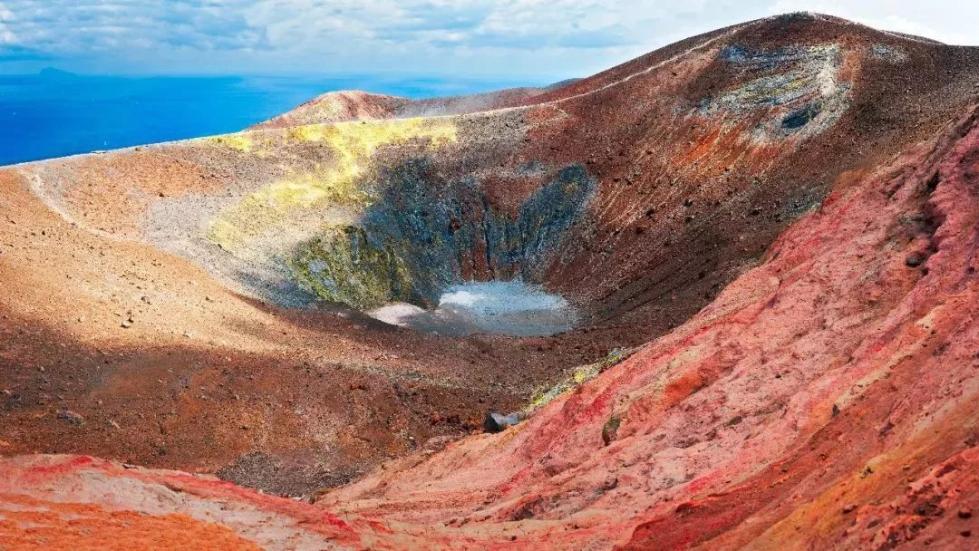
x: 534, y: 40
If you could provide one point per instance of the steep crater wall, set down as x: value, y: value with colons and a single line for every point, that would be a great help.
x: 426, y: 234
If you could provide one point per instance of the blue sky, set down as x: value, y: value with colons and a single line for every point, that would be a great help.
x: 535, y: 40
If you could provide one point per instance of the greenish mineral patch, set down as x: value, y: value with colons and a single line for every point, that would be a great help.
x: 346, y: 265
x: 579, y: 376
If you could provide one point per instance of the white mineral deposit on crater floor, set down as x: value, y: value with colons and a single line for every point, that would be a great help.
x: 503, y: 307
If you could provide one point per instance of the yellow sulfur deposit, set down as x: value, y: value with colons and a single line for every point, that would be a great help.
x: 354, y: 144
x: 240, y: 141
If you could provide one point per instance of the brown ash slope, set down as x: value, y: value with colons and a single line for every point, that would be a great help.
x: 169, y: 305
x: 356, y: 105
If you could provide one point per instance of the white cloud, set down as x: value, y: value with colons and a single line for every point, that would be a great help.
x: 540, y: 38
x: 7, y: 36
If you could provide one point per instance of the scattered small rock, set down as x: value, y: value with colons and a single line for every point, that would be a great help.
x: 965, y: 513
x: 497, y: 422
x: 70, y: 416
x: 914, y: 260
x: 849, y: 509
x: 610, y: 429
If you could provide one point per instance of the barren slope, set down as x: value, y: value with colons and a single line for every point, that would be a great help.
x: 794, y: 197
x: 827, y: 399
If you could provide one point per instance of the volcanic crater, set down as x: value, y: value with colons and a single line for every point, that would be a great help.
x: 717, y: 297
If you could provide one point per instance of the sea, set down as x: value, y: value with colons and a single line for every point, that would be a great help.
x: 54, y: 113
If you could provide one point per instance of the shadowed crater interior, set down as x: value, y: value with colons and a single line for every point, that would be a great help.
x: 413, y: 257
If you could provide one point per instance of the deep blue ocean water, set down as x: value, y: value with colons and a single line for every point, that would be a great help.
x: 52, y: 114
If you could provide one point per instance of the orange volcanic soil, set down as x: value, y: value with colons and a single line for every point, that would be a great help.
x: 773, y: 226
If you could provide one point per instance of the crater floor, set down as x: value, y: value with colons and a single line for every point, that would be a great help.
x: 500, y: 307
